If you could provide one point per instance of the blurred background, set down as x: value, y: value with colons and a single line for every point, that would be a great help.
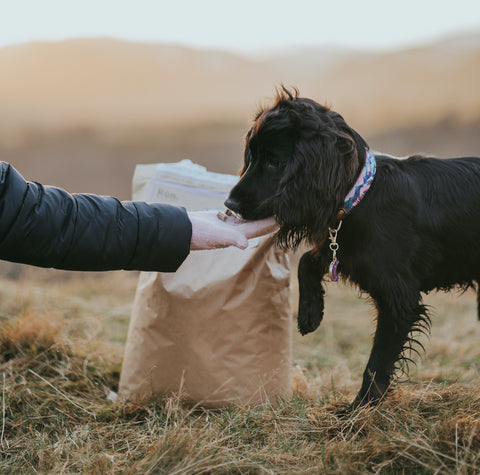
x: 90, y: 89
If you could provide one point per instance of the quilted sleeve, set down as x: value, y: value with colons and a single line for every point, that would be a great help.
x: 48, y: 227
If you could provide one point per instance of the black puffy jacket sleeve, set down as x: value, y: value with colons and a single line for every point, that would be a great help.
x: 48, y: 227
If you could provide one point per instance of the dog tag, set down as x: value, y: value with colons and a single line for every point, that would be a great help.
x: 332, y: 271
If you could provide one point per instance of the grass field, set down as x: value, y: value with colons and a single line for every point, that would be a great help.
x: 62, y: 339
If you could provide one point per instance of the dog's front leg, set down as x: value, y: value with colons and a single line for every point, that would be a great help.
x: 310, y: 305
x: 399, y: 312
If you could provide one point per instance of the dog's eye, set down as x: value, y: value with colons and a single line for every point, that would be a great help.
x: 272, y: 163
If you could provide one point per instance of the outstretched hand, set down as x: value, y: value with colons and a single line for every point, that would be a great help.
x: 211, y: 232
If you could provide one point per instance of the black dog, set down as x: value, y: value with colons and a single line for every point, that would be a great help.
x: 416, y: 229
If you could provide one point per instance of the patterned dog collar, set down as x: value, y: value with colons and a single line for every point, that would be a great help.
x: 361, y: 186
x: 353, y: 198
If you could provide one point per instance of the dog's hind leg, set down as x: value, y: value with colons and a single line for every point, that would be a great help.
x: 400, y: 312
x: 310, y: 306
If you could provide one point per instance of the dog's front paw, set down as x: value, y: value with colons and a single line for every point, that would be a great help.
x: 310, y: 315
x: 311, y: 292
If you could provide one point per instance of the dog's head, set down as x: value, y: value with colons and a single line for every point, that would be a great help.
x: 300, y: 161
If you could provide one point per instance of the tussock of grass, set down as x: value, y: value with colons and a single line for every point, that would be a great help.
x: 27, y: 334
x: 61, y: 355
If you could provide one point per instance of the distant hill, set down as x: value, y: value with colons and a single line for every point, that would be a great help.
x: 104, y: 82
x: 81, y: 114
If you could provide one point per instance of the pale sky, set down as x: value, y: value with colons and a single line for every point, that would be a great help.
x: 241, y: 26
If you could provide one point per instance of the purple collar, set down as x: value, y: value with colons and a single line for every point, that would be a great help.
x: 361, y: 186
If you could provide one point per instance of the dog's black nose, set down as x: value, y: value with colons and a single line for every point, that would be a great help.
x: 232, y: 204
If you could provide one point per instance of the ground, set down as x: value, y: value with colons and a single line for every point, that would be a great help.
x: 62, y: 337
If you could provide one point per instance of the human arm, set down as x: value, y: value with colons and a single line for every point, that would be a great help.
x: 48, y: 227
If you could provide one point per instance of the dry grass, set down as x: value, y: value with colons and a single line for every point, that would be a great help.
x: 62, y: 341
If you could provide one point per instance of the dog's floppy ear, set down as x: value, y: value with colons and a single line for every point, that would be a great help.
x: 247, y: 155
x: 316, y: 180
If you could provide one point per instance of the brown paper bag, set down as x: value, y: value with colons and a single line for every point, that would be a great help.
x: 218, y: 330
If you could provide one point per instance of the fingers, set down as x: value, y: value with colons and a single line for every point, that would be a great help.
x: 238, y: 240
x: 208, y: 232
x: 252, y: 229
x: 212, y: 230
